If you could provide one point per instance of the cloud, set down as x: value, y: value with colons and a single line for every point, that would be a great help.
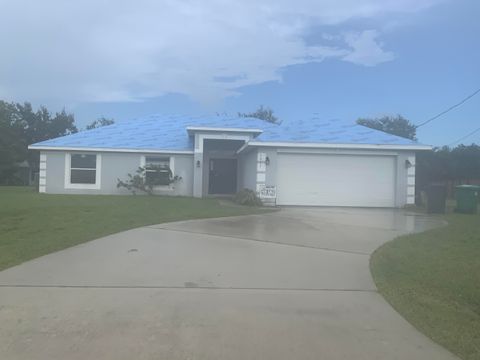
x: 365, y: 49
x: 99, y: 50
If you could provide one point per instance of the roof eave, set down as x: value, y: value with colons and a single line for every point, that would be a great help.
x: 411, y: 147
x: 100, y: 149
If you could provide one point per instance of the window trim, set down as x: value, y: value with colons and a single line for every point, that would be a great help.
x: 68, y: 172
x: 171, y: 165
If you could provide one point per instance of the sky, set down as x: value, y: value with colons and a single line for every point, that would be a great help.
x: 340, y: 59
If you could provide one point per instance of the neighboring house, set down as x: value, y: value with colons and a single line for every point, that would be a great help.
x: 311, y: 162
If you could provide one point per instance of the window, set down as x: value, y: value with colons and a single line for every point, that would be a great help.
x: 82, y: 171
x: 157, y: 170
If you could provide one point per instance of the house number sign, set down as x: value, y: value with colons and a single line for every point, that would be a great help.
x: 267, y: 192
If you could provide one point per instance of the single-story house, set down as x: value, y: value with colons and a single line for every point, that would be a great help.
x: 306, y: 162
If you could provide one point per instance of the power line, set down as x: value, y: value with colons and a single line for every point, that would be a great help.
x: 464, y: 137
x: 449, y: 109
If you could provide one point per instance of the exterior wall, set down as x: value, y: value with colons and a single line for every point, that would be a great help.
x: 116, y: 166
x: 411, y: 185
x: 253, y: 172
x: 42, y: 176
x: 271, y: 168
x: 266, y: 175
x: 405, y: 188
x: 404, y: 177
x: 184, y: 169
x: 247, y: 170
x: 198, y: 167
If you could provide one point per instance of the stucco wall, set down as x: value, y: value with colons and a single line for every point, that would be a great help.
x: 113, y: 167
x: 118, y: 165
x: 405, y: 187
x: 248, y: 170
x: 271, y: 168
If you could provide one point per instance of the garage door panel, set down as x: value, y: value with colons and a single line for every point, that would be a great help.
x: 336, y: 180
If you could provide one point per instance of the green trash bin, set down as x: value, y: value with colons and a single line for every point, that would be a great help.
x: 467, y: 198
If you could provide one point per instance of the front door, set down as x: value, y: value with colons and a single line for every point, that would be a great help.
x: 222, y: 176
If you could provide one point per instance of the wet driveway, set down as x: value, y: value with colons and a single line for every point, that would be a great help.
x: 293, y: 284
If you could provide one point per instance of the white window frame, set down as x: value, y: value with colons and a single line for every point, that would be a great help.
x: 68, y: 169
x: 171, y: 165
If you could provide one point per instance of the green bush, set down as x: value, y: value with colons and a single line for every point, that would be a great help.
x: 146, y: 178
x: 247, y: 197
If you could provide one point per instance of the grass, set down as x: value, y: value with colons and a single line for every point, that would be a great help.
x: 33, y: 224
x: 433, y: 280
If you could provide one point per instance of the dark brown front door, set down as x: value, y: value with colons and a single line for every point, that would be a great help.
x: 222, y: 176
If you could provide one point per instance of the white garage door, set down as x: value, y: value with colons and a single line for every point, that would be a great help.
x: 336, y: 180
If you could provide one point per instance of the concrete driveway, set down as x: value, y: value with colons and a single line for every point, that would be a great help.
x: 294, y: 284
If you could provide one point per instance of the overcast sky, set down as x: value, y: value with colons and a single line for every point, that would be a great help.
x: 338, y: 58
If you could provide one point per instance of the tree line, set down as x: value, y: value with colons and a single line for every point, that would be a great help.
x: 449, y: 166
x: 20, y: 126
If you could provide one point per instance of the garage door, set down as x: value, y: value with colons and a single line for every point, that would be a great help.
x: 336, y: 180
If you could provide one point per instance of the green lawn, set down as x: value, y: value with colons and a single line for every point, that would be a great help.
x: 33, y: 224
x: 433, y: 280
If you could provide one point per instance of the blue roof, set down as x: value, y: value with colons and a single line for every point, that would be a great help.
x: 162, y: 132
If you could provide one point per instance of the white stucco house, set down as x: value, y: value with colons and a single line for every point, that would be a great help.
x: 310, y: 162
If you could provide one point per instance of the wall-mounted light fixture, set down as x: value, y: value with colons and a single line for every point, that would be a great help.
x: 198, y: 163
x: 408, y: 164
x: 267, y: 161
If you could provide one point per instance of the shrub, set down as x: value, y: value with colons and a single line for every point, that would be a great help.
x: 157, y: 175
x: 247, y: 197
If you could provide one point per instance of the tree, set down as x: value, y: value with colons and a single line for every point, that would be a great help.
x: 460, y: 165
x: 103, y: 121
x: 465, y: 162
x: 21, y: 126
x: 395, y: 125
x: 61, y: 124
x: 40, y: 125
x: 262, y: 113
x: 12, y: 146
x: 433, y: 166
